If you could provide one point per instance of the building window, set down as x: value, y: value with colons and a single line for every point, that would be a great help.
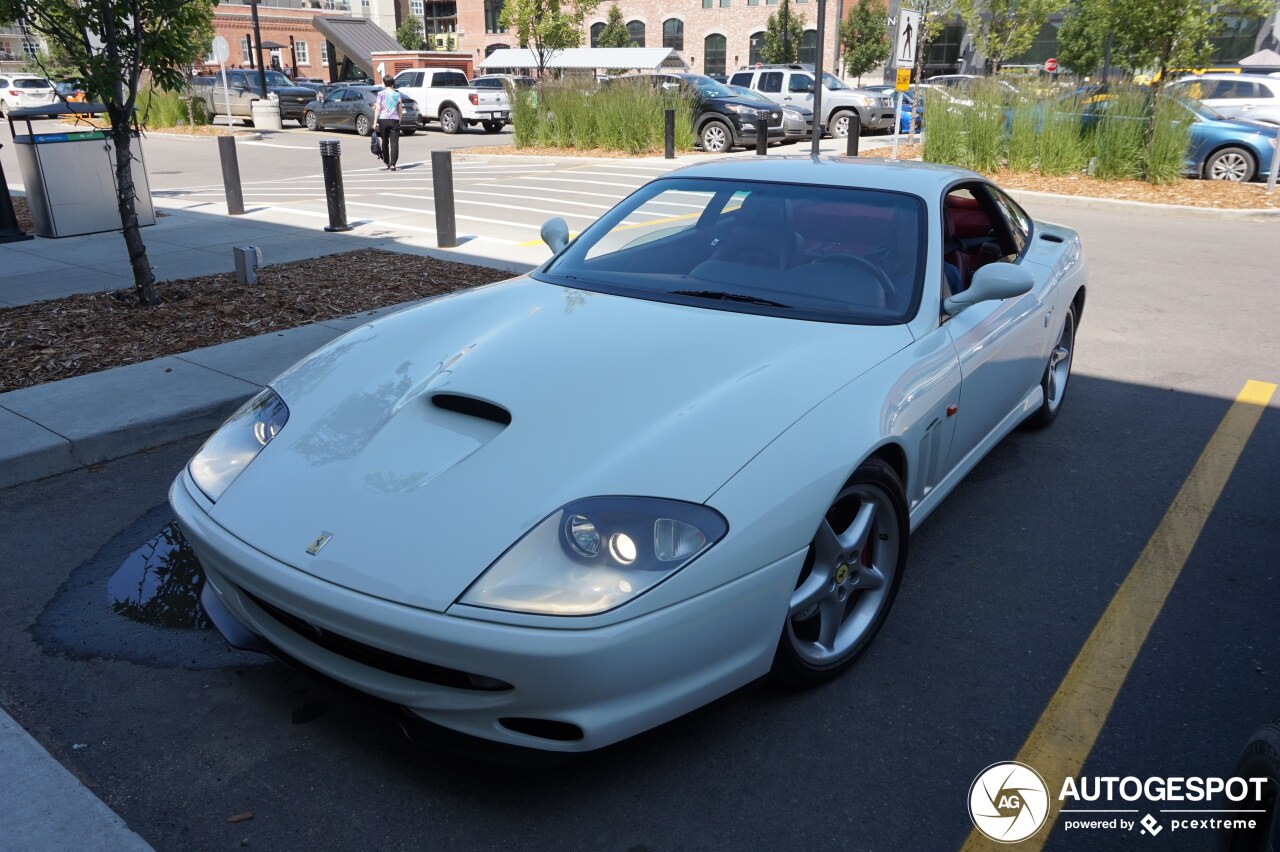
x: 324, y: 53
x: 492, y: 14
x: 673, y: 33
x: 753, y: 2
x: 1236, y: 39
x: 713, y: 49
x: 635, y: 29
x: 596, y: 29
x: 415, y: 7
x: 706, y: 4
x: 809, y: 47
x: 755, y: 47
x: 209, y: 58
x: 944, y: 51
x: 246, y: 53
x: 724, y: 4
x: 304, y: 55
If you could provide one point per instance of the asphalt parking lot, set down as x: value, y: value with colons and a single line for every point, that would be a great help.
x: 1005, y: 583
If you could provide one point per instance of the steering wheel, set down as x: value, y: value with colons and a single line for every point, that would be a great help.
x: 862, y: 263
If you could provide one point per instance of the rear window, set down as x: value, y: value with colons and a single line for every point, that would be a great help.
x: 743, y: 79
x: 449, y: 79
x: 491, y: 83
x: 32, y: 84
x: 832, y: 254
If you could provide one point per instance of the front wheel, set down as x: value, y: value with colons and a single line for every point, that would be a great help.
x: 309, y: 121
x: 842, y: 123
x: 1056, y: 375
x: 849, y: 579
x: 363, y: 126
x: 716, y: 137
x: 492, y: 126
x: 1233, y: 164
x: 450, y: 120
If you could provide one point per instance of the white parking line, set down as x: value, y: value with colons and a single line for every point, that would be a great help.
x: 576, y: 180
x: 429, y: 212
x: 313, y: 214
x: 514, y: 207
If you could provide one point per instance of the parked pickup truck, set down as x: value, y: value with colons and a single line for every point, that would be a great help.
x: 445, y: 95
x: 245, y: 89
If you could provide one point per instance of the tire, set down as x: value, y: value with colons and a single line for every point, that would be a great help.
x: 492, y: 126
x: 849, y: 580
x: 840, y: 122
x: 409, y: 132
x: 1233, y: 164
x: 363, y: 125
x: 716, y: 137
x: 1057, y: 374
x: 310, y: 121
x: 4, y: 108
x: 1260, y: 759
x: 450, y: 120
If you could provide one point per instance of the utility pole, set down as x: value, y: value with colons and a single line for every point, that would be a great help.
x: 257, y: 48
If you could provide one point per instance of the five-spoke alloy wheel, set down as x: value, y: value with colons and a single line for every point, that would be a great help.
x: 1056, y: 374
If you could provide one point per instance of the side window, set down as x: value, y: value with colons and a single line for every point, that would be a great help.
x: 449, y: 79
x: 1265, y: 91
x: 404, y: 78
x: 1019, y: 221
x: 771, y: 81
x: 742, y: 78
x: 801, y: 83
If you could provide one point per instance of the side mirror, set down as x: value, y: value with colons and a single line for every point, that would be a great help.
x: 993, y: 281
x: 555, y: 233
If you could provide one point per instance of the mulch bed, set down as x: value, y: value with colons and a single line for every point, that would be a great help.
x: 69, y: 337
x: 23, y: 211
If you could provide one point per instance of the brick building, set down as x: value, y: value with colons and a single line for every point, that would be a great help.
x: 277, y: 21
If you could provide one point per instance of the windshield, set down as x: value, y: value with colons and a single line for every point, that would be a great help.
x: 832, y: 83
x: 742, y: 93
x: 1202, y: 110
x: 708, y: 88
x: 823, y: 253
x: 275, y: 78
x: 32, y: 83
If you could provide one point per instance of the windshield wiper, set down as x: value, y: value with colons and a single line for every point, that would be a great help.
x: 729, y: 297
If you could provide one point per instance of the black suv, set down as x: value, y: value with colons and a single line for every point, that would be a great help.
x: 721, y: 118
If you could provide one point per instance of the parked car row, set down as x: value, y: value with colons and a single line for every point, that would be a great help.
x: 352, y: 108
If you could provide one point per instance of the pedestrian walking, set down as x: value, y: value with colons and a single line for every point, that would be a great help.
x: 388, y: 109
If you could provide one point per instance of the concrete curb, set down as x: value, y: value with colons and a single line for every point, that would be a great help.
x: 252, y: 136
x: 74, y: 423
x: 1092, y: 202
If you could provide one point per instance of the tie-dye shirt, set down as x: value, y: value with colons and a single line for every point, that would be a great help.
x: 388, y: 100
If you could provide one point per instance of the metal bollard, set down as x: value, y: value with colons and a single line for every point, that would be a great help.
x: 331, y: 160
x: 669, y: 135
x: 442, y: 188
x: 762, y: 135
x: 855, y: 133
x: 231, y: 174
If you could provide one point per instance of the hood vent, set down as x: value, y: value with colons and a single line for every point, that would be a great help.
x: 472, y: 407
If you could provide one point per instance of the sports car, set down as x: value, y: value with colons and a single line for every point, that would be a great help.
x: 685, y: 453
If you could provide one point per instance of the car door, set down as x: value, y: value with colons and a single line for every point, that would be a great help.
x: 349, y: 107
x: 770, y: 84
x: 329, y: 108
x: 1000, y: 343
x: 799, y: 90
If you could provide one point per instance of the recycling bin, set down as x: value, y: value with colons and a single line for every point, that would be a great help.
x: 70, y: 174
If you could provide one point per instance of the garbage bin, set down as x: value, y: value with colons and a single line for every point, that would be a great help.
x: 70, y: 175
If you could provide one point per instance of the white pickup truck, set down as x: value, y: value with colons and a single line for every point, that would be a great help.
x: 445, y: 95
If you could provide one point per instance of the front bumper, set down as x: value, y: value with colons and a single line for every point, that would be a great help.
x: 609, y: 682
x: 877, y: 118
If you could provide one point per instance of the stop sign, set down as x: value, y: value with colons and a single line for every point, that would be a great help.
x: 1051, y: 65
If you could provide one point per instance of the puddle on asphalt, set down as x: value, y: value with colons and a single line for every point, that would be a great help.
x: 159, y: 583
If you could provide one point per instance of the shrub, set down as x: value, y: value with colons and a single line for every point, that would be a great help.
x: 158, y: 108
x: 944, y: 140
x: 1118, y: 135
x: 1024, y: 143
x: 1060, y: 147
x: 1170, y: 139
x: 984, y: 124
x: 619, y: 117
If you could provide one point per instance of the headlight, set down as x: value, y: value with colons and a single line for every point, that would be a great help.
x: 749, y: 112
x: 792, y: 114
x: 596, y: 554
x: 238, y: 442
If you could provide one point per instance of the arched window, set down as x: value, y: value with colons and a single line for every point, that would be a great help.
x: 635, y: 29
x: 713, y: 47
x: 492, y: 47
x: 809, y: 46
x: 755, y: 48
x: 673, y: 33
x: 596, y: 29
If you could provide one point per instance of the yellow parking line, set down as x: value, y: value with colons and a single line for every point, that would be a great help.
x: 1069, y: 725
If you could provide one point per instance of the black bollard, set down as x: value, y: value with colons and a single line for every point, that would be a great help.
x: 231, y: 174
x: 855, y: 133
x: 9, y: 230
x: 331, y: 159
x: 669, y: 135
x: 442, y: 188
x: 762, y: 134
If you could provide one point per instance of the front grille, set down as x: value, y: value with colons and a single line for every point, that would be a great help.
x: 376, y: 658
x: 775, y: 120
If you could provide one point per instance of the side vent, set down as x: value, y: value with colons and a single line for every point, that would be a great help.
x: 1051, y: 238
x: 472, y: 407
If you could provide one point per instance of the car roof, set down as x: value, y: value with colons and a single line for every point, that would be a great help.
x: 1227, y: 75
x: 927, y: 180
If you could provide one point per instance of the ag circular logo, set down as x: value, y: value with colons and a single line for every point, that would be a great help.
x: 1008, y: 802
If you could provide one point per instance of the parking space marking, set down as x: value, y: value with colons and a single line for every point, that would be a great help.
x: 1064, y: 735
x: 397, y: 225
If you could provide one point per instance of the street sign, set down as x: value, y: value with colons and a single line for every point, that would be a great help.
x: 221, y: 50
x: 904, y: 79
x: 1051, y: 65
x: 904, y: 48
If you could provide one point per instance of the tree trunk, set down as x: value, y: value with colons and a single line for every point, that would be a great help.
x: 144, y: 280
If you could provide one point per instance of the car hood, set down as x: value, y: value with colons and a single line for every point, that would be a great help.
x: 606, y: 395
x: 294, y: 92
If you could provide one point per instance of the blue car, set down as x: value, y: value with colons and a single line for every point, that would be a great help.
x: 1226, y: 148
x: 904, y: 117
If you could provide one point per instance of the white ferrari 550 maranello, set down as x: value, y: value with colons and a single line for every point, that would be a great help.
x: 684, y: 453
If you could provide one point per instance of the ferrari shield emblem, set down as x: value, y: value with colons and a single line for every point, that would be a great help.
x: 318, y: 544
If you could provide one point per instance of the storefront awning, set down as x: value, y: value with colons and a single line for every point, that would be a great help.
x: 356, y: 39
x: 644, y: 58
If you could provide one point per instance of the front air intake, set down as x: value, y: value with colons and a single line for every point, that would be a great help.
x: 545, y: 729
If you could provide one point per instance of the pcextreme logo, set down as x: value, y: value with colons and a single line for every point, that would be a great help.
x: 1008, y: 802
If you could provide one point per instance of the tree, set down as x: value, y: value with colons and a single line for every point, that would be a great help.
x: 864, y: 38
x: 615, y: 32
x: 410, y: 34
x: 1151, y: 35
x: 1004, y: 28
x: 1082, y: 38
x: 776, y: 49
x: 545, y: 26
x: 111, y: 43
